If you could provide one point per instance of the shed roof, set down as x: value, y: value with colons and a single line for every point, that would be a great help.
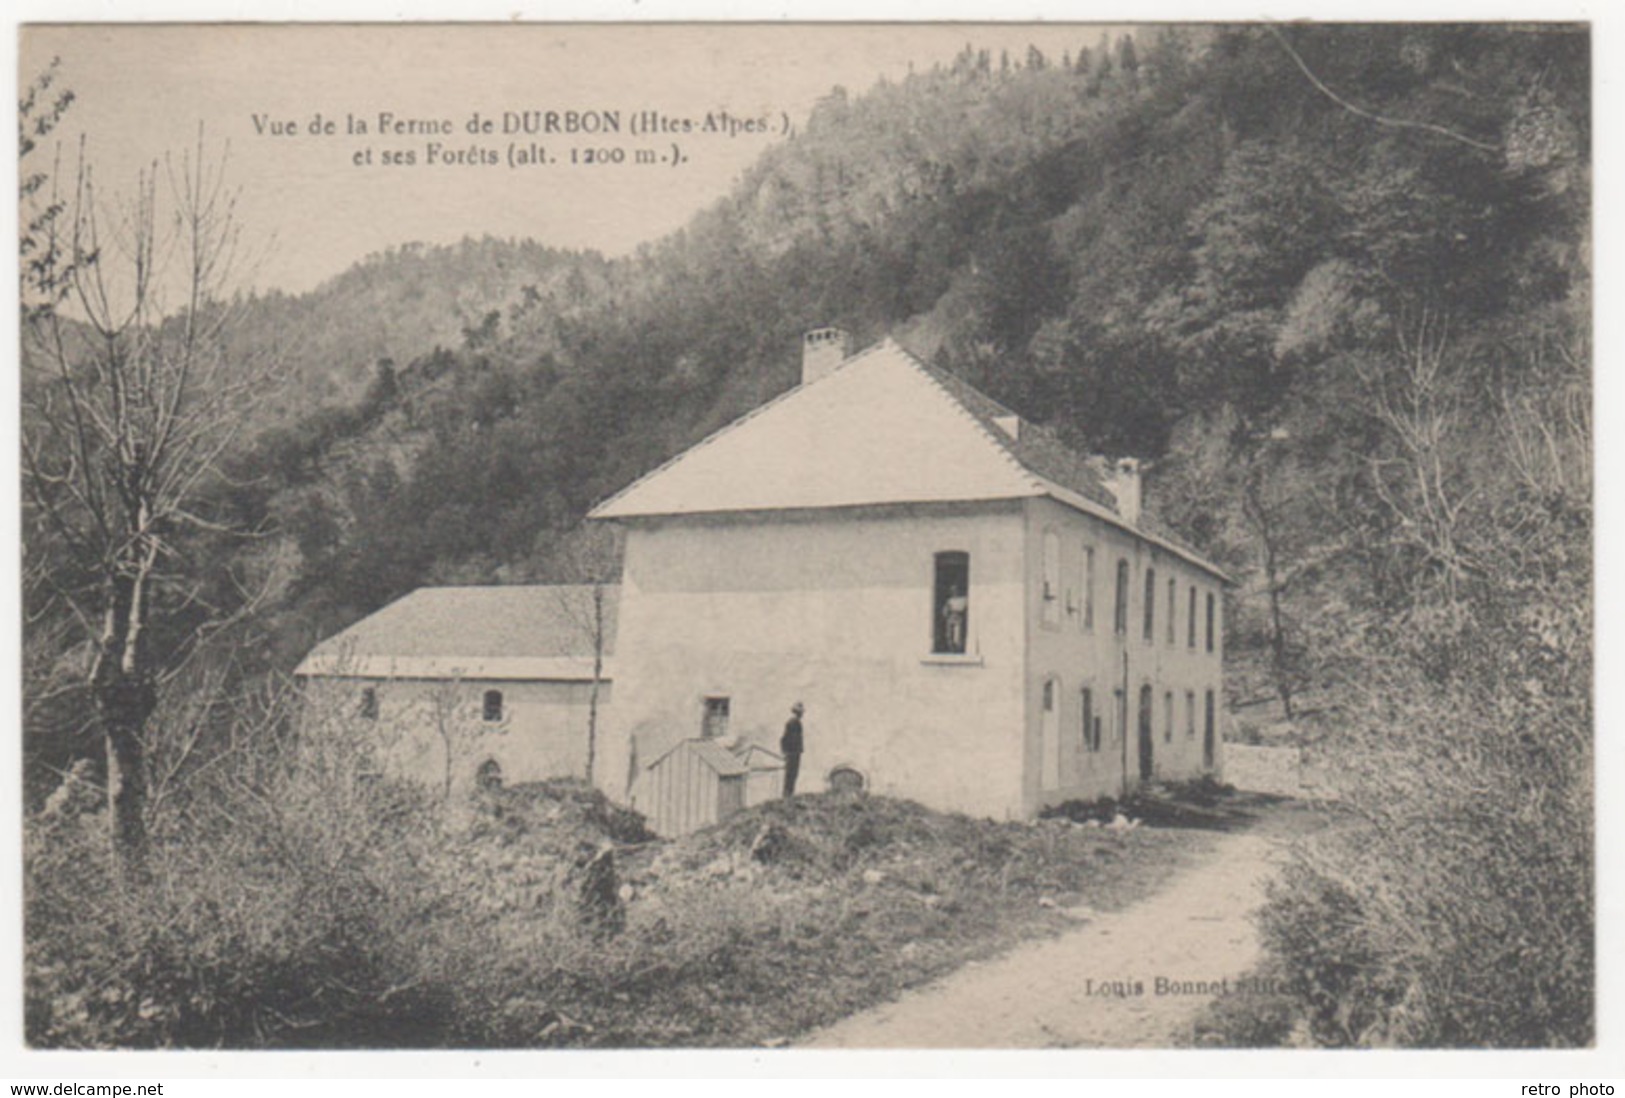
x: 520, y: 632
x: 757, y: 757
x: 718, y: 758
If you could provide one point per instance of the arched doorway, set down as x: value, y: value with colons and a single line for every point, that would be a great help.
x: 846, y: 779
x: 488, y: 775
x: 1147, y: 741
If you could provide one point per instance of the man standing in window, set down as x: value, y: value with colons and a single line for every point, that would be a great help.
x: 791, y: 744
x: 953, y: 612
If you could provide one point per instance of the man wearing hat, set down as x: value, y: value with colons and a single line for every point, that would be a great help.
x: 790, y: 743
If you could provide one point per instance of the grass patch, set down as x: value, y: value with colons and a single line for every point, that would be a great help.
x: 791, y: 915
x: 543, y: 916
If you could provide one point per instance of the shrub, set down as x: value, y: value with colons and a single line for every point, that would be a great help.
x: 1263, y: 1015
x: 1457, y: 908
x: 293, y: 898
x: 299, y: 900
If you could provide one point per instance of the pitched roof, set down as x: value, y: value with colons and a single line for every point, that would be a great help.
x: 881, y: 428
x: 1037, y: 449
x: 721, y: 761
x: 757, y: 757
x: 878, y: 429
x: 530, y: 632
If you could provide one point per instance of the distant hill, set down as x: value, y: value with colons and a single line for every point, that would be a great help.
x: 394, y: 306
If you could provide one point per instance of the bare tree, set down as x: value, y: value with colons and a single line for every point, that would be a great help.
x: 1265, y: 525
x: 38, y: 112
x: 458, y: 726
x: 130, y: 397
x: 584, y: 607
x: 591, y: 559
x: 1419, y: 400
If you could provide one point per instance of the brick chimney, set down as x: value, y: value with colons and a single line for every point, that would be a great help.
x: 822, y: 349
x: 1123, y: 479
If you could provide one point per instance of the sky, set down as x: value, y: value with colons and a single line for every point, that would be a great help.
x: 310, y: 210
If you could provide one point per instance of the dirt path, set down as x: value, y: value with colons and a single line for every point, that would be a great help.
x: 1097, y: 986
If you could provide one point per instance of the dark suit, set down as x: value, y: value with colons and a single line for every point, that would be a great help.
x: 790, y: 743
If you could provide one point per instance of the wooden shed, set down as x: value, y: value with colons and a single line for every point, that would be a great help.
x: 695, y: 784
x: 765, y: 780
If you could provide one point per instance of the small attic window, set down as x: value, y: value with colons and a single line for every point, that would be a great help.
x: 714, y: 722
x: 1010, y: 425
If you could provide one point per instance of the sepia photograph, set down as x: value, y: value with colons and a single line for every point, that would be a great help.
x: 806, y: 536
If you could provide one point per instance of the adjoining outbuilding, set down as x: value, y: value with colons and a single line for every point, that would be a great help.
x: 490, y: 683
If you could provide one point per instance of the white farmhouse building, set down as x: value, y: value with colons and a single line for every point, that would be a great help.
x: 974, y: 616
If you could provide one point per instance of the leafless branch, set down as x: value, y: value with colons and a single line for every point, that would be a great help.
x: 1381, y: 120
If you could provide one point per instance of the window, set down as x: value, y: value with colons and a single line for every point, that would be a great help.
x: 1150, y: 603
x: 368, y: 708
x: 1091, y: 723
x: 1121, y: 622
x: 492, y: 709
x: 1121, y: 727
x: 1190, y: 714
x: 1173, y: 606
x: 1052, y: 578
x: 1088, y: 586
x: 950, y: 601
x: 714, y: 724
x: 1210, y: 613
x: 1168, y: 717
x: 1190, y: 624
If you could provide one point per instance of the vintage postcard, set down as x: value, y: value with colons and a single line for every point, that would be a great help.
x: 807, y: 536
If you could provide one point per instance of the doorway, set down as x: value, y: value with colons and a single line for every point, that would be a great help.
x: 1147, y: 741
x: 1049, y: 769
x: 1208, y: 735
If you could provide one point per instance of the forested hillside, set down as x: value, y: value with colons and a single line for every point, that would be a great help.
x: 1190, y: 251
x: 1333, y: 282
